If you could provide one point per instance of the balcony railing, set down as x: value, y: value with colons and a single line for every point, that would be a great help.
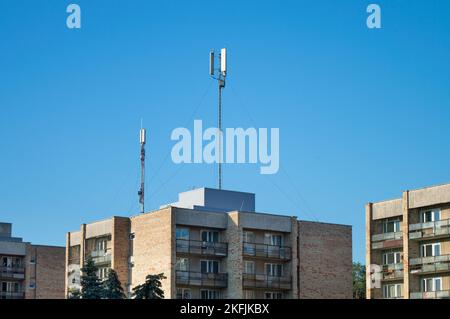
x: 387, y: 240
x: 17, y: 272
x: 266, y: 251
x: 11, y: 295
x: 266, y: 281
x: 101, y: 256
x: 443, y: 294
x: 199, y: 247
x: 392, y: 271
x: 430, y: 264
x: 431, y: 229
x: 190, y: 278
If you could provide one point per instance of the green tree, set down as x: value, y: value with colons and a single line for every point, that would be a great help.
x: 112, y: 288
x: 151, y: 289
x: 359, y: 281
x: 91, y: 286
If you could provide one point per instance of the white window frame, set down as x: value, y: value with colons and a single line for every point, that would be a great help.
x: 101, y: 244
x: 210, y: 235
x: 103, y: 273
x: 178, y: 263
x: 248, y: 236
x: 272, y: 294
x: 434, y: 280
x: 434, y: 212
x: 210, y: 265
x: 212, y: 293
x: 272, y: 271
x: 433, y: 249
x: 397, y: 257
x: 397, y: 225
x: 252, y: 263
x: 398, y: 290
x: 269, y: 239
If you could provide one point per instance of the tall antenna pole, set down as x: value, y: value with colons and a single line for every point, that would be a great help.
x: 219, y: 75
x: 141, y: 191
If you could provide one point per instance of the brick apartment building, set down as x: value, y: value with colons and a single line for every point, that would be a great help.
x: 29, y: 271
x: 212, y: 244
x: 408, y: 242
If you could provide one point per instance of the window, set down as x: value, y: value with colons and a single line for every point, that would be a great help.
x: 391, y: 226
x: 274, y: 270
x: 431, y: 215
x: 431, y: 250
x: 392, y: 291
x: 390, y: 258
x: 102, y: 273
x: 209, y: 266
x: 132, y: 236
x: 182, y: 264
x: 431, y: 284
x: 182, y: 233
x: 9, y: 286
x: 210, y: 294
x: 249, y: 237
x: 249, y: 294
x: 101, y: 244
x: 210, y: 236
x: 249, y: 267
x: 7, y: 262
x: 274, y: 240
x: 184, y: 293
x: 32, y: 259
x: 273, y: 295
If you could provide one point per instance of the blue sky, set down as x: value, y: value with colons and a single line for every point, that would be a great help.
x: 363, y: 114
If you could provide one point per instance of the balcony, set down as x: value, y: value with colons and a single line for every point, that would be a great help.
x: 266, y: 251
x: 190, y: 278
x: 436, y: 229
x: 387, y: 240
x: 392, y: 272
x: 101, y: 256
x: 13, y: 272
x: 443, y: 294
x: 255, y: 281
x: 197, y: 247
x: 430, y: 264
x: 11, y: 295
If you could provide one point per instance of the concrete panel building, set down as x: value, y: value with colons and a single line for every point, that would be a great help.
x: 212, y: 244
x: 29, y: 271
x: 408, y: 245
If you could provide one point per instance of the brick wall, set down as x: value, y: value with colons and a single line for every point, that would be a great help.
x: 325, y: 260
x: 48, y: 272
x: 120, y: 240
x: 154, y: 248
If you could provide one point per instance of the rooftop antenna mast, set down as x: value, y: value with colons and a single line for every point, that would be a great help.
x: 219, y: 74
x: 141, y: 192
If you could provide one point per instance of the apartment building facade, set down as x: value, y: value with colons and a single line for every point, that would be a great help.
x: 408, y: 245
x: 29, y: 271
x: 212, y: 244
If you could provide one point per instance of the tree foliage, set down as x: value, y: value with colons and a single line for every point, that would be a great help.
x: 151, y: 289
x: 112, y: 288
x: 359, y: 281
x: 91, y: 286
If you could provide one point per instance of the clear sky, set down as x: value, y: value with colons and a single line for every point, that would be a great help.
x: 363, y: 114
